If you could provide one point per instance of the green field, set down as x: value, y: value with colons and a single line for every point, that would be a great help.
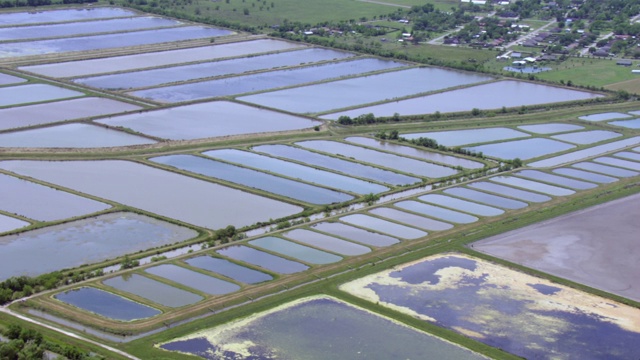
x: 589, y: 72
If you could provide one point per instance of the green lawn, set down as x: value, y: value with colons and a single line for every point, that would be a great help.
x: 592, y: 72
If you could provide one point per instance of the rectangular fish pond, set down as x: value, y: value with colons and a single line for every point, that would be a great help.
x: 195, y: 280
x: 8, y: 223
x: 461, y: 205
x: 33, y: 93
x: 522, y: 149
x: 605, y: 169
x: 469, y: 136
x: 262, y: 259
x: 295, y: 251
x: 436, y: 212
x: 383, y: 226
x: 159, y: 293
x: 585, y: 153
x: 482, y: 197
x: 585, y: 175
x: 631, y: 124
x: 587, y: 137
x: 106, y: 304
x: 6, y: 79
x: 326, y: 242
x: 330, y: 326
x: 550, y: 128
x: 521, y: 314
x: 555, y: 179
x: 356, y: 234
x: 418, y: 221
x: 229, y: 269
x: 50, y: 16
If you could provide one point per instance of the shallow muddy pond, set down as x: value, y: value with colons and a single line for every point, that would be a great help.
x: 159, y: 293
x: 469, y: 136
x: 326, y: 242
x: 415, y: 152
x: 8, y: 223
x: 83, y: 28
x: 71, y: 136
x: 9, y: 79
x: 631, y: 124
x: 43, y: 203
x: 160, y: 58
x: 229, y: 269
x: 336, y: 164
x: 604, y: 169
x: 383, y: 226
x: 551, y: 128
x: 597, y: 246
x: 482, y: 197
x: 32, y: 17
x: 154, y: 77
x: 462, y: 205
x: 555, y: 179
x: 605, y: 116
x: 509, y: 191
x: 85, y: 241
x: 532, y: 185
x: 519, y: 313
x: 522, y: 149
x: 585, y: 175
x: 436, y: 212
x: 163, y: 192
x: 330, y: 326
x: 628, y: 155
x: 32, y: 93
x: 108, y: 41
x: 195, y: 280
x: 296, y: 171
x: 106, y: 304
x: 262, y: 259
x: 356, y: 234
x: 264, y: 81
x: 209, y: 119
x: 379, y: 158
x: 420, y: 222
x: 587, y: 137
x: 363, y: 90
x: 585, y: 153
x: 631, y: 165
x: 294, y: 250
x: 39, y: 114
x: 254, y: 179
x: 512, y: 94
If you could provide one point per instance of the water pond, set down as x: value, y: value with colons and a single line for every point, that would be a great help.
x: 209, y: 119
x: 631, y: 124
x: 8, y: 223
x: 585, y: 175
x: 195, y: 280
x: 39, y: 114
x: 106, y: 304
x: 296, y: 171
x: 628, y: 155
x: 335, y: 164
x: 555, y: 179
x: 294, y: 250
x: 604, y: 169
x: 356, y: 234
x: 155, y: 77
x: 436, y: 212
x: 420, y: 222
x: 327, y: 242
x: 522, y: 149
x: 160, y: 58
x: 254, y: 179
x: 32, y: 93
x: 108, y: 41
x: 10, y: 79
x: 83, y: 28
x: 71, y: 136
x: 587, y: 137
x: 229, y: 269
x: 39, y: 202
x: 524, y: 315
x: 416, y: 152
x: 509, y: 191
x: 262, y: 259
x: 363, y: 90
x: 462, y: 205
x: 391, y: 161
x: 330, y: 326
x: 159, y: 293
x: 265, y: 80
x: 33, y: 17
x: 469, y: 136
x: 526, y: 69
x: 85, y: 241
x: 383, y: 226
x: 163, y: 192
x: 605, y: 116
x: 489, y: 199
x: 631, y: 165
x: 551, y: 128
x: 512, y: 94
x: 585, y: 153
x: 532, y: 185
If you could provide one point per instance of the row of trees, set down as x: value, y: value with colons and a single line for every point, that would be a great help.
x: 29, y: 344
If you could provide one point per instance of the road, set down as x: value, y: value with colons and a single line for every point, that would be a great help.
x: 586, y: 49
